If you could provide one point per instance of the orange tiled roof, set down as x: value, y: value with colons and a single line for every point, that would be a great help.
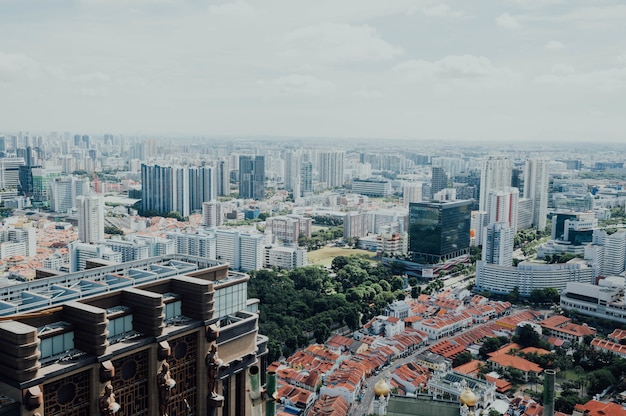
x: 506, y: 360
x: 596, y: 408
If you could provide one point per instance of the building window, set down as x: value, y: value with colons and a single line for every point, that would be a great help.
x: 120, y: 326
x: 173, y: 309
x: 57, y: 344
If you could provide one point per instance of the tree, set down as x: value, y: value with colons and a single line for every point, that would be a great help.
x: 514, y: 295
x: 397, y: 283
x: 462, y: 358
x: 527, y: 336
x: 321, y: 333
x: 600, y: 380
x: 489, y: 345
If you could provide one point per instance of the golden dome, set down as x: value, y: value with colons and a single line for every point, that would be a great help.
x: 468, y: 397
x: 381, y: 388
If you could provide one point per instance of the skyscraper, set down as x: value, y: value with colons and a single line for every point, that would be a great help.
x: 502, y: 207
x: 157, y: 183
x: 331, y: 169
x: 292, y: 170
x: 201, y: 186
x: 439, y: 180
x: 439, y: 231
x: 90, y: 218
x: 495, y: 175
x: 166, y: 189
x: 536, y: 188
x: 498, y: 244
x: 412, y: 192
x: 222, y: 178
x: 252, y: 177
x: 306, y: 178
x: 64, y: 190
x: 212, y: 215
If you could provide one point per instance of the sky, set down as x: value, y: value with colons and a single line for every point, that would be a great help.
x: 505, y: 70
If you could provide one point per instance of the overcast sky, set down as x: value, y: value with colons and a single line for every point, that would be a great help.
x: 536, y: 70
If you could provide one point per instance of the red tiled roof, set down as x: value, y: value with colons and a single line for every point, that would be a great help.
x: 596, y: 408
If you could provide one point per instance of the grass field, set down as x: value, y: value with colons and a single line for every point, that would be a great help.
x: 325, y: 256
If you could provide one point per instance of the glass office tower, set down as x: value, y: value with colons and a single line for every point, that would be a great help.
x: 439, y: 230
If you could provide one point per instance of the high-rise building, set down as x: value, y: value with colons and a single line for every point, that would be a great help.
x: 536, y: 188
x: 9, y: 172
x: 306, y: 178
x: 113, y: 330
x: 439, y: 231
x: 17, y: 242
x: 90, y: 218
x: 212, y: 215
x: 157, y: 184
x: 199, y: 243
x: 331, y: 169
x: 502, y: 206
x: 439, y: 180
x: 166, y: 189
x: 81, y: 253
x: 495, y: 175
x: 243, y: 251
x: 201, y: 187
x: 292, y: 170
x: 130, y: 250
x: 251, y: 252
x: 252, y: 177
x: 222, y: 178
x: 498, y: 244
x: 64, y: 190
x: 412, y: 192
x: 354, y: 225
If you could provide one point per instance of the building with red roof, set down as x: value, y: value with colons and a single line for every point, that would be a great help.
x: 562, y: 327
x: 596, y: 408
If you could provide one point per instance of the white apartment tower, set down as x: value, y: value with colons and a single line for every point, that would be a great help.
x: 498, y: 244
x: 90, y: 218
x: 212, y: 214
x: 412, y: 192
x: 251, y: 252
x: 63, y: 192
x: 502, y: 206
x: 331, y: 169
x: 495, y: 175
x: 536, y: 188
x: 292, y: 170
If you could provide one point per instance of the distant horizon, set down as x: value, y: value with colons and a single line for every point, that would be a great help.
x: 266, y: 137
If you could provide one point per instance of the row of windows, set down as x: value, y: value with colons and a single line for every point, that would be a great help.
x: 119, y: 326
x: 57, y: 344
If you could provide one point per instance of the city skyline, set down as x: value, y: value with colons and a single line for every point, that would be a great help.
x: 402, y: 69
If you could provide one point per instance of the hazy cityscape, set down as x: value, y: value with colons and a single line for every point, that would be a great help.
x: 373, y: 278
x: 330, y: 208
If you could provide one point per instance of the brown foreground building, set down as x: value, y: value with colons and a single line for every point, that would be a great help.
x: 169, y: 335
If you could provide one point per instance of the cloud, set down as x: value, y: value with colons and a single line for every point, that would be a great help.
x: 17, y: 65
x: 93, y: 77
x: 534, y: 4
x: 507, y: 21
x: 303, y: 85
x: 338, y: 42
x: 553, y: 45
x: 452, y: 67
x: 441, y: 10
x: 237, y: 8
x: 368, y: 93
x: 606, y: 80
x: 95, y: 92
